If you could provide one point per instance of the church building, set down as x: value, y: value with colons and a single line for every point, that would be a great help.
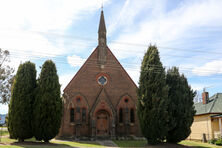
x: 100, y: 100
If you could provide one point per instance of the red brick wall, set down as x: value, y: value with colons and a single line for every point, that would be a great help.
x: 85, y: 85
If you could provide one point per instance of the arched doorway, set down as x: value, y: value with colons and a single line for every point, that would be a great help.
x: 102, y: 123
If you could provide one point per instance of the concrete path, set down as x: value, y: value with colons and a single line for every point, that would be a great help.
x: 107, y: 143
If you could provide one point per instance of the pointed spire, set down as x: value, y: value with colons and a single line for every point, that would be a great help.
x: 102, y: 29
x: 102, y: 41
x: 102, y: 25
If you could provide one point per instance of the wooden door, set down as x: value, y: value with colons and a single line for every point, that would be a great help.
x: 102, y: 124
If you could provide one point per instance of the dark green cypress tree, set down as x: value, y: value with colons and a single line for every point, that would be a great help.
x: 21, y: 103
x: 181, y: 109
x: 48, y: 104
x: 152, y: 97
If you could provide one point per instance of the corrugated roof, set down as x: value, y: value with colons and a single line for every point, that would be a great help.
x: 213, y: 106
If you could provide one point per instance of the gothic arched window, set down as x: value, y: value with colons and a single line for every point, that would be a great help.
x: 132, y: 117
x: 83, y: 114
x: 72, y: 115
x: 120, y: 115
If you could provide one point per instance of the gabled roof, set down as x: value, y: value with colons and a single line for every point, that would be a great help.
x: 213, y: 106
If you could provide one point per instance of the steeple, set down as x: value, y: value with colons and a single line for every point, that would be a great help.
x: 102, y: 29
x: 102, y: 41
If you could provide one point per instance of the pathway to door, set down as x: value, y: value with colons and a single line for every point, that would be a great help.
x: 107, y: 143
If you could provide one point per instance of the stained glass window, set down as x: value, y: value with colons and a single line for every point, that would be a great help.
x: 102, y: 80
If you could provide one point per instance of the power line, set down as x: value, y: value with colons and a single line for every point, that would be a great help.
x: 132, y: 44
x: 112, y: 65
x: 45, y: 54
x: 123, y: 43
x: 114, y: 62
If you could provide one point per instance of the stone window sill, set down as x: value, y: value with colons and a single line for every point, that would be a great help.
x: 131, y: 124
x: 72, y: 123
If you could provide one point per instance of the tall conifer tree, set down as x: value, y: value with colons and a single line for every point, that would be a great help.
x: 152, y: 97
x: 181, y: 109
x: 48, y: 105
x: 21, y: 103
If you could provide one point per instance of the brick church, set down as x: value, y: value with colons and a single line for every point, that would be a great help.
x: 100, y: 100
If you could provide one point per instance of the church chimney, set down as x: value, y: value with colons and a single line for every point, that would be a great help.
x: 102, y: 41
x: 205, y: 97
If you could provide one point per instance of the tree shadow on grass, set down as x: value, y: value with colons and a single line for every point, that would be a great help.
x: 200, y: 146
x: 175, y: 146
x: 167, y: 145
x: 33, y: 144
x: 164, y: 145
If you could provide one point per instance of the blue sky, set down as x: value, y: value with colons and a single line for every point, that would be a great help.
x: 187, y: 33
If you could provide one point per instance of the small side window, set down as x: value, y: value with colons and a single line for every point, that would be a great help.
x: 83, y: 115
x: 78, y: 100
x: 126, y: 100
x: 132, y: 117
x: 72, y: 115
x: 120, y: 115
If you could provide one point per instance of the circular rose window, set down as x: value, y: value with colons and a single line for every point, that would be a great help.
x: 102, y: 80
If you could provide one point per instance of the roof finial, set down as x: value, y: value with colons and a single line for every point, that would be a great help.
x: 102, y: 6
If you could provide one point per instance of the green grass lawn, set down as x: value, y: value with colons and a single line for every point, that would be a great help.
x: 130, y: 143
x: 78, y: 144
x: 3, y: 133
x: 142, y: 143
x: 198, y: 144
x: 32, y: 143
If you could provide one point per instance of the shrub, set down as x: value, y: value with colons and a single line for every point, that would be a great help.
x: 212, y: 141
x: 219, y: 141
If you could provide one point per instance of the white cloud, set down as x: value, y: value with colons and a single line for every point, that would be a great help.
x: 3, y: 109
x: 75, y: 61
x: 65, y: 79
x: 43, y: 15
x: 134, y: 74
x: 208, y: 69
x: 29, y: 43
x: 169, y: 27
x: 197, y: 87
x: 127, y: 14
x: 27, y: 24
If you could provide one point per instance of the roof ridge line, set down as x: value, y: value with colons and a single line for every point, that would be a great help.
x: 216, y: 97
